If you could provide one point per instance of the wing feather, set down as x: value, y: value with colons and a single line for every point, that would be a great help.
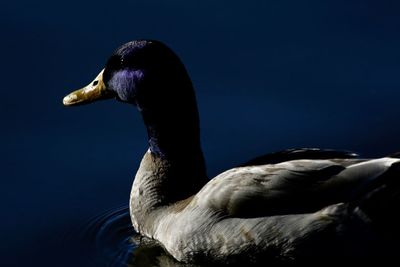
x: 292, y: 187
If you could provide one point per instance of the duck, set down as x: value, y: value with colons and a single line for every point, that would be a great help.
x: 295, y: 206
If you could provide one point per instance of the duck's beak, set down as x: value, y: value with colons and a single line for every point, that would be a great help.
x: 96, y: 90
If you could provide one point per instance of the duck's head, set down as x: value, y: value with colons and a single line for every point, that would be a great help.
x: 150, y: 76
x: 145, y: 73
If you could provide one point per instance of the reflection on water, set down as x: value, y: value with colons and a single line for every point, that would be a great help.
x: 112, y: 241
x: 115, y: 243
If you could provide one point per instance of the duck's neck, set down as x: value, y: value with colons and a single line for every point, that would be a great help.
x: 173, y: 169
x: 173, y: 134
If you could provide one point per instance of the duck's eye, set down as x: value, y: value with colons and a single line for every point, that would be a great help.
x: 95, y: 83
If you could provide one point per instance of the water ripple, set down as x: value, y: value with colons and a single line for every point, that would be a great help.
x: 113, y: 242
x: 111, y: 237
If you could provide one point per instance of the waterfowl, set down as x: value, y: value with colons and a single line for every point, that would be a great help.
x: 299, y: 205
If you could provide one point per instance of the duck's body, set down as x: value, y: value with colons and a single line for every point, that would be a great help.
x: 299, y: 205
x: 299, y: 210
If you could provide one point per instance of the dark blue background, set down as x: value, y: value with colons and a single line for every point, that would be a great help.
x: 269, y: 75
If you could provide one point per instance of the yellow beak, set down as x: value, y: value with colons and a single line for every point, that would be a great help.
x: 96, y: 90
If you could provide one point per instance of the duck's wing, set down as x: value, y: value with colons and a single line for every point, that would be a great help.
x: 294, y: 187
x: 300, y: 153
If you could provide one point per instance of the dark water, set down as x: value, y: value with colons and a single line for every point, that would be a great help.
x: 269, y: 75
